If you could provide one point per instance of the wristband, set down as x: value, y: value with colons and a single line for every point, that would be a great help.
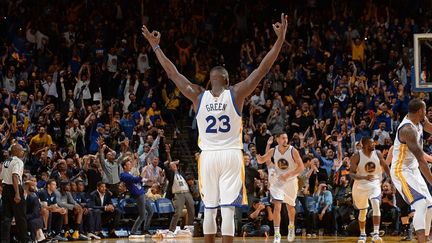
x: 156, y: 47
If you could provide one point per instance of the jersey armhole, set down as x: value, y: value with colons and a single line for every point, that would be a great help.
x: 292, y: 155
x: 233, y: 101
x: 199, y: 103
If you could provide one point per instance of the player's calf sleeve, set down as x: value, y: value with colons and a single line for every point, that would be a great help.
x: 228, y: 226
x: 419, y: 220
x: 362, y: 215
x: 375, y: 207
x: 209, y: 223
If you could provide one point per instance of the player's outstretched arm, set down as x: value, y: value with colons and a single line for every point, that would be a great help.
x: 266, y: 158
x: 407, y: 134
x: 384, y: 164
x: 247, y: 86
x: 191, y: 91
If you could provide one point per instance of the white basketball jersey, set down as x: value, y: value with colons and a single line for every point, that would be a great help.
x: 369, y: 166
x: 402, y: 156
x: 283, y: 163
x: 219, y: 122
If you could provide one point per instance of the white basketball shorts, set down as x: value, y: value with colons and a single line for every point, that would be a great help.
x: 411, y: 185
x: 363, y: 192
x: 285, y: 192
x: 221, y: 178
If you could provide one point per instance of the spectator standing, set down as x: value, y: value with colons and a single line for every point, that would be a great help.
x: 134, y: 185
x: 178, y: 189
x: 152, y: 174
x: 111, y: 167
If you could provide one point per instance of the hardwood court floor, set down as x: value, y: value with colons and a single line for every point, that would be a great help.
x: 248, y: 239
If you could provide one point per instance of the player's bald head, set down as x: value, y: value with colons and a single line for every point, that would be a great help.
x: 16, y: 149
x: 219, y: 76
x: 415, y: 105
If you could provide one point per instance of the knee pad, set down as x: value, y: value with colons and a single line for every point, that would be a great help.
x: 419, y: 219
x: 362, y: 215
x: 375, y: 207
x: 209, y: 222
x: 228, y: 226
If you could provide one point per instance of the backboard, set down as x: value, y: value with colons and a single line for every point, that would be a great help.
x: 422, y: 80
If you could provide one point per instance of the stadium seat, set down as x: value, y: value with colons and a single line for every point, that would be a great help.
x: 115, y: 202
x: 155, y: 209
x: 164, y: 206
x: 128, y: 206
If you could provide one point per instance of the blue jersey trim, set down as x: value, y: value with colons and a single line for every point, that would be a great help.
x: 292, y: 156
x: 234, y: 205
x: 199, y: 103
x: 234, y: 104
x: 417, y: 199
x: 211, y: 207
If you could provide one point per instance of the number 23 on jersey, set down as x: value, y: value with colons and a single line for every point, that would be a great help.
x: 213, y: 126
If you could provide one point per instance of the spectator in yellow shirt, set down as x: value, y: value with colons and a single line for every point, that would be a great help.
x: 172, y: 102
x: 358, y: 50
x: 154, y: 193
x: 154, y: 113
x: 40, y: 141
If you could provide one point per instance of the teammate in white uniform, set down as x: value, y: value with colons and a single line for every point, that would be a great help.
x: 283, y: 181
x: 221, y: 169
x: 366, y: 170
x: 408, y: 158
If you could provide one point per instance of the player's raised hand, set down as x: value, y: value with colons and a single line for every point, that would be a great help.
x: 153, y: 37
x: 270, y: 140
x: 260, y: 159
x: 280, y: 28
x: 340, y: 137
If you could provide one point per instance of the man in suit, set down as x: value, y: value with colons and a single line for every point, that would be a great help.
x: 100, y: 201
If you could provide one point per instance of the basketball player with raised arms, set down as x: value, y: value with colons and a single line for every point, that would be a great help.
x: 220, y: 167
x: 283, y: 181
x: 408, y: 163
x: 366, y: 170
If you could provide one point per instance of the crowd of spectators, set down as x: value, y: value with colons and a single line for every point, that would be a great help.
x: 82, y: 92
